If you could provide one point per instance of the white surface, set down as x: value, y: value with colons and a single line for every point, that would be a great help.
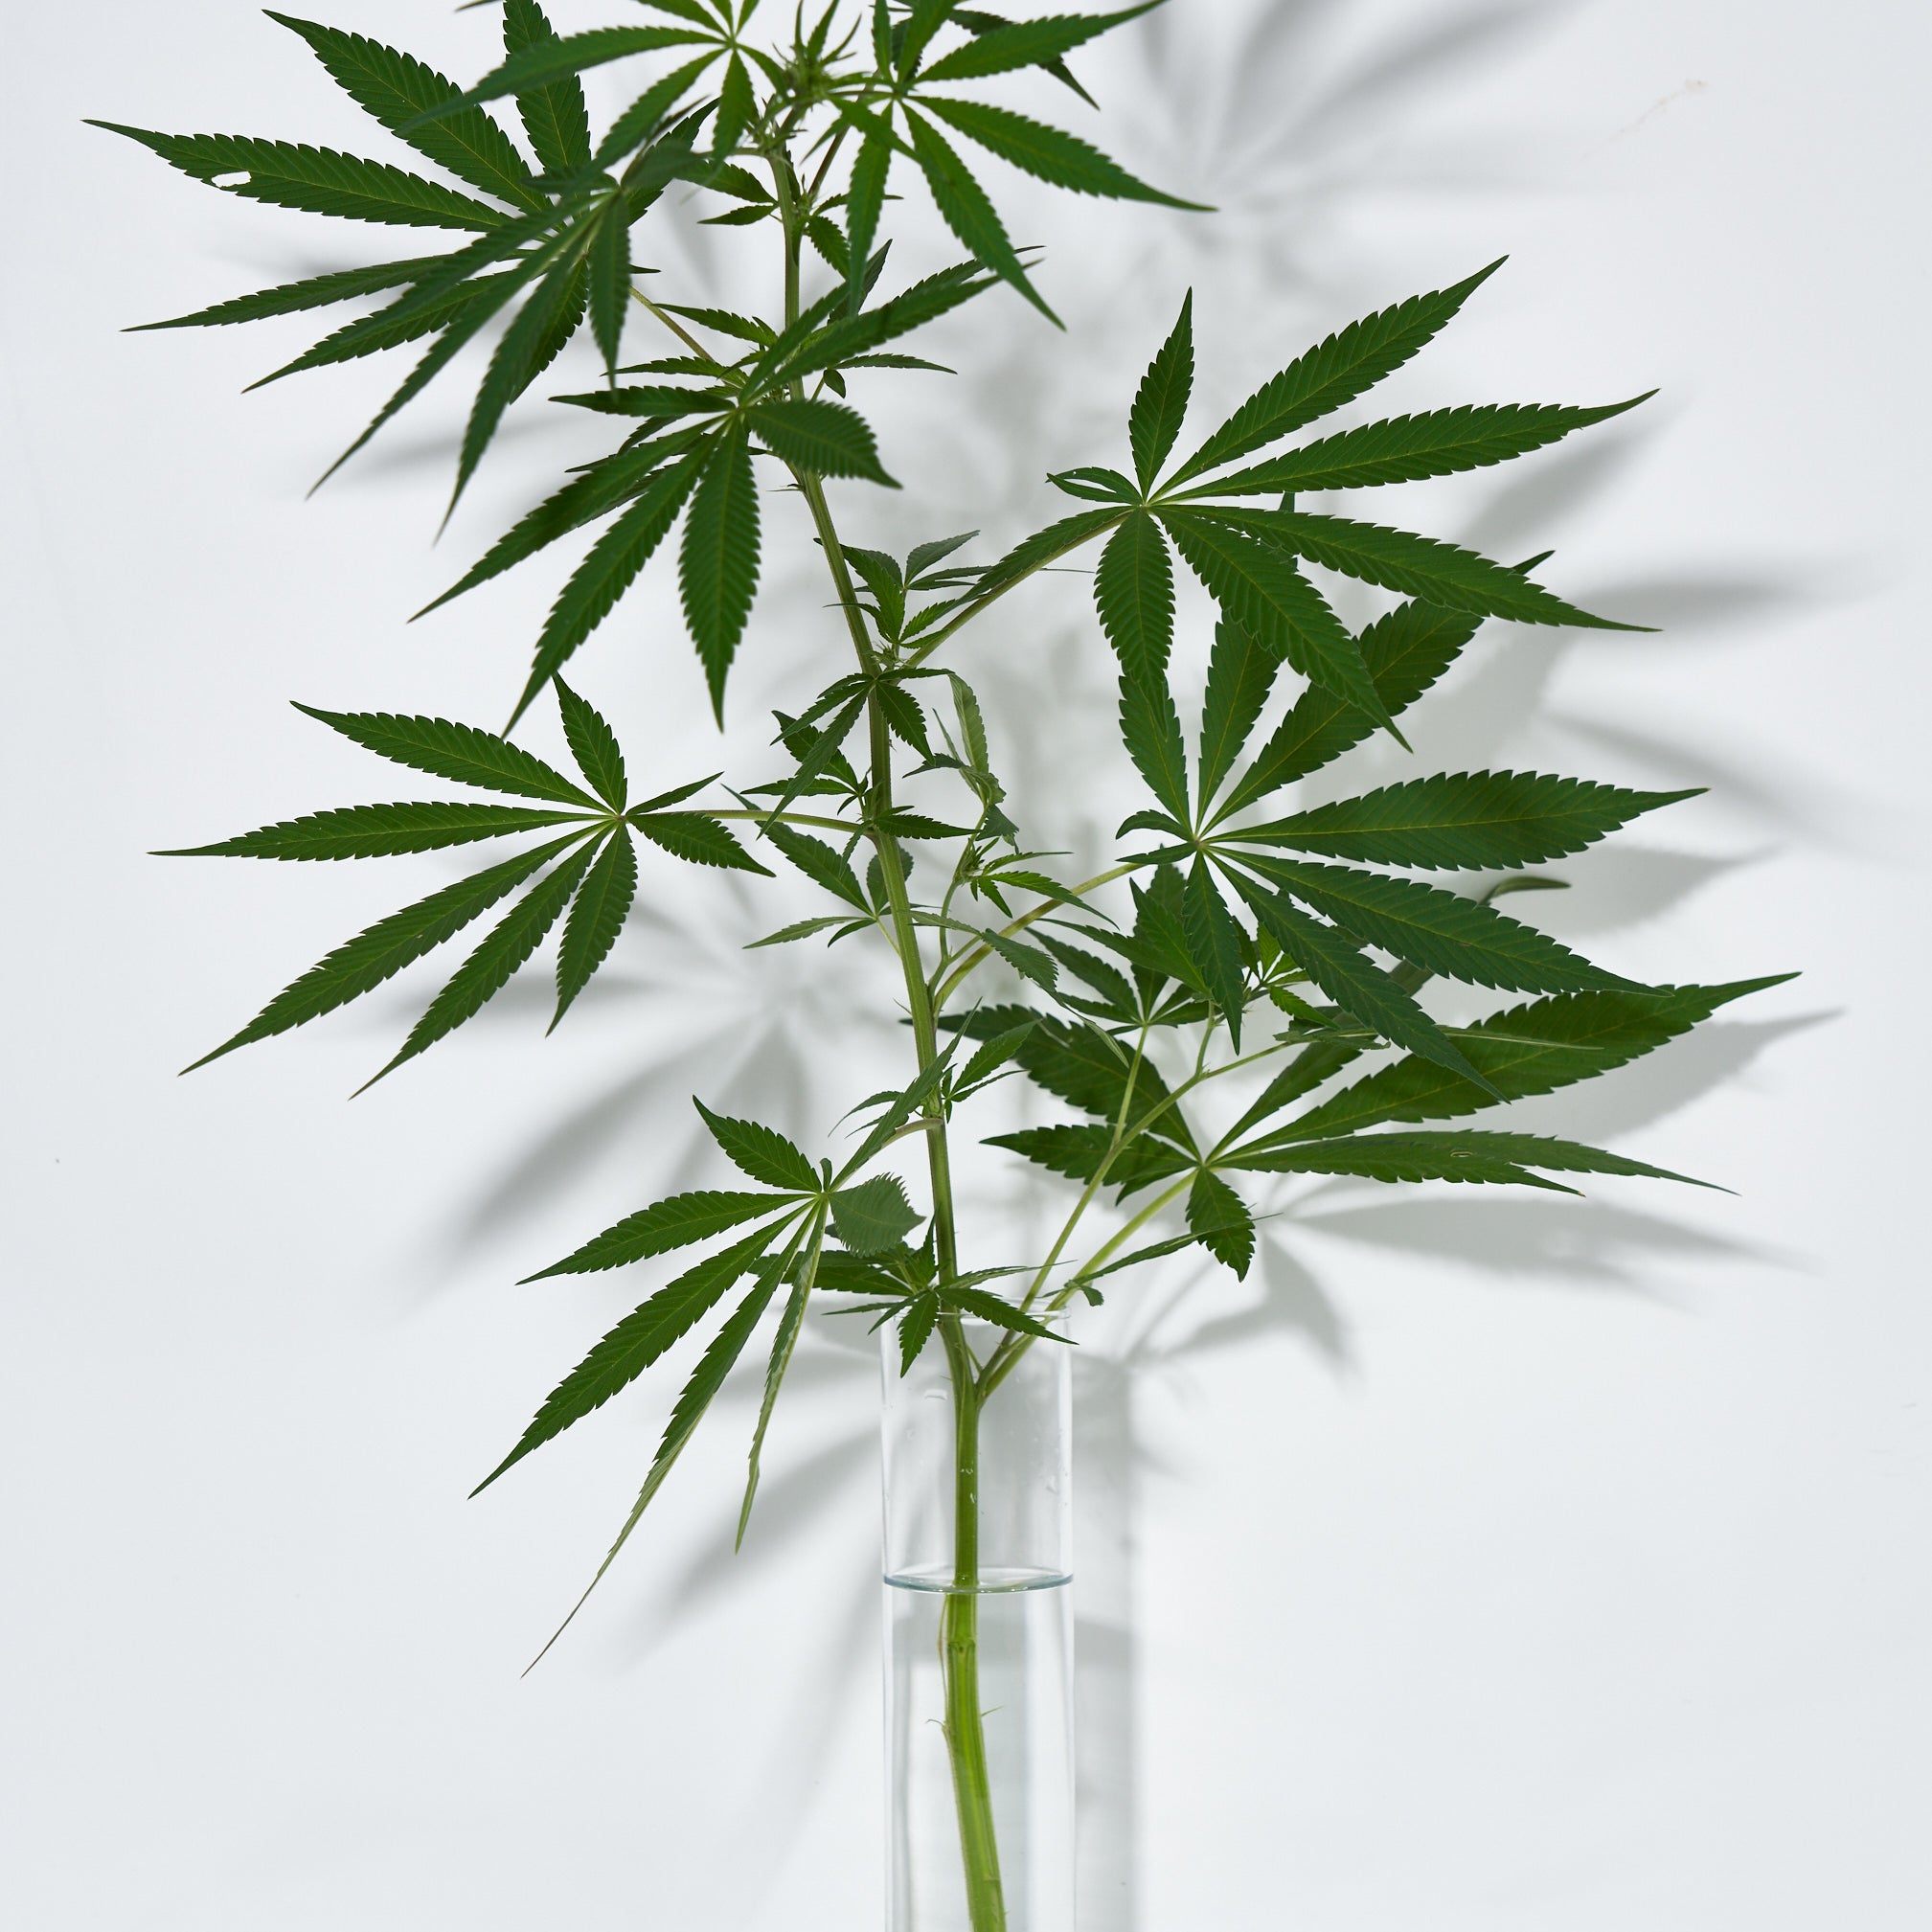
x: 1482, y: 1565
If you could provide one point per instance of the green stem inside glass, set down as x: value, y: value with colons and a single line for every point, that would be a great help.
x: 959, y: 1657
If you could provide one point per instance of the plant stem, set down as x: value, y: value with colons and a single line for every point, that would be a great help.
x: 958, y: 1638
x: 959, y: 1653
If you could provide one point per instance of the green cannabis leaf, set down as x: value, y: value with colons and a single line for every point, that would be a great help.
x: 590, y: 885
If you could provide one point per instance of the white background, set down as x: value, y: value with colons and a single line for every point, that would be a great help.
x: 1478, y: 1563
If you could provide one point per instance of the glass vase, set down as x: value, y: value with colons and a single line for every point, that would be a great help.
x: 979, y: 1633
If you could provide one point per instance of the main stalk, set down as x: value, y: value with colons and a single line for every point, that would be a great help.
x: 960, y: 1654
x: 960, y: 1622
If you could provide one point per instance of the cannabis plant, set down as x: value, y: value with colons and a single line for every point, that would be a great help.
x: 1237, y: 937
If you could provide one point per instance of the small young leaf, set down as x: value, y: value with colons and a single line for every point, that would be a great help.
x: 725, y: 177
x: 829, y: 242
x: 822, y: 767
x: 907, y: 719
x: 987, y: 1058
x: 883, y: 578
x: 915, y: 1330
x: 1028, y: 961
x: 874, y: 1216
x: 898, y: 1110
x: 805, y: 928
x: 902, y: 823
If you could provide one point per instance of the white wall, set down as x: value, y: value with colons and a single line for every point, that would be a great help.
x: 1478, y: 1565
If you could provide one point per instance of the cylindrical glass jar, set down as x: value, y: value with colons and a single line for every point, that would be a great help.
x: 979, y: 1633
